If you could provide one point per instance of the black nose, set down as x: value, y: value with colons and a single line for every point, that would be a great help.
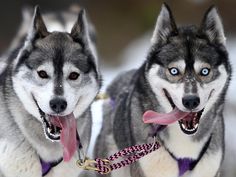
x: 58, y: 105
x: 191, y: 102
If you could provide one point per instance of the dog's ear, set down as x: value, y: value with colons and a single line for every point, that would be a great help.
x: 38, y: 28
x: 80, y: 32
x: 165, y: 26
x: 212, y: 26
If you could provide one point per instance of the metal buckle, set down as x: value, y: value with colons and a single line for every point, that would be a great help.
x: 89, y: 164
x: 154, y: 142
x: 101, y: 96
x: 151, y: 148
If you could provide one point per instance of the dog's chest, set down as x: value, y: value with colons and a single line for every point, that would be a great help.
x: 158, y: 164
x: 166, y: 160
x: 182, y: 145
x: 65, y: 169
x: 161, y: 164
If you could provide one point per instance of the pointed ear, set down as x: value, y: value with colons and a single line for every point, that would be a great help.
x: 79, y: 32
x: 212, y: 26
x: 165, y: 26
x: 38, y: 28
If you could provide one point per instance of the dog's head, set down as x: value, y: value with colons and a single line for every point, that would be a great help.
x: 188, y: 67
x: 56, y: 74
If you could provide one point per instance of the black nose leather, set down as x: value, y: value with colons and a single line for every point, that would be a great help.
x: 58, y: 105
x: 191, y: 102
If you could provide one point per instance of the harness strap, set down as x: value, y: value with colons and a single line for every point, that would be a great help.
x: 188, y: 164
x: 47, y: 166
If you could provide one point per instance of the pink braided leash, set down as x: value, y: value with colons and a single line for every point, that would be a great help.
x: 134, y: 153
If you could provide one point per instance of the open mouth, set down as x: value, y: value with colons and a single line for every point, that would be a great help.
x: 188, y: 121
x: 61, y: 129
x: 51, y: 131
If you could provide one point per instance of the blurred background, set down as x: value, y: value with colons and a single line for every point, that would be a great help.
x: 124, y: 29
x: 118, y: 22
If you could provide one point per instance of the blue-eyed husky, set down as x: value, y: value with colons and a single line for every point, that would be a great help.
x: 185, y: 78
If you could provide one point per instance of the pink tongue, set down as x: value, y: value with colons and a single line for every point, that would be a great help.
x: 68, y: 134
x: 164, y: 118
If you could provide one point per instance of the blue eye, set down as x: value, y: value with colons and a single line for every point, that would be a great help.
x: 205, y: 71
x: 174, y: 71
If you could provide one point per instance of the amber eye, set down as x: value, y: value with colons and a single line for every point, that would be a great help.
x: 73, y: 76
x: 43, y: 74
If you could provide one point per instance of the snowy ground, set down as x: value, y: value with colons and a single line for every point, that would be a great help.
x: 133, y: 57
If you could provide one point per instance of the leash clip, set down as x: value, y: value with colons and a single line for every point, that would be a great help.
x: 101, y: 96
x: 87, y: 164
x: 90, y: 165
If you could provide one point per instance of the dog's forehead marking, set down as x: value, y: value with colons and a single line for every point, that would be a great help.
x: 198, y: 64
x: 47, y: 66
x: 57, y: 40
x: 180, y: 64
x: 69, y: 67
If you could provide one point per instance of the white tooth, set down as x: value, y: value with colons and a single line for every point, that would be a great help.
x: 185, y: 128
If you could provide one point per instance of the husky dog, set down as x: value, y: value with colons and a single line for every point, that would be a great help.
x: 185, y: 78
x: 46, y: 92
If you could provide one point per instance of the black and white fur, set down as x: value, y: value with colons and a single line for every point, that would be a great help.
x: 190, y: 49
x: 22, y: 139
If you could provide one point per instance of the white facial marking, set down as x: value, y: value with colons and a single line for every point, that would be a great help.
x: 176, y: 90
x: 157, y: 84
x: 78, y: 94
x: 41, y: 89
x: 198, y: 65
x: 180, y: 64
x: 212, y: 90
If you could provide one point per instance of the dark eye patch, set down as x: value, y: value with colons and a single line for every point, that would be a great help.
x: 37, y: 58
x: 83, y: 62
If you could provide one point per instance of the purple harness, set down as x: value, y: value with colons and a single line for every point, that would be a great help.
x: 47, y: 166
x: 188, y: 164
x: 185, y: 165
